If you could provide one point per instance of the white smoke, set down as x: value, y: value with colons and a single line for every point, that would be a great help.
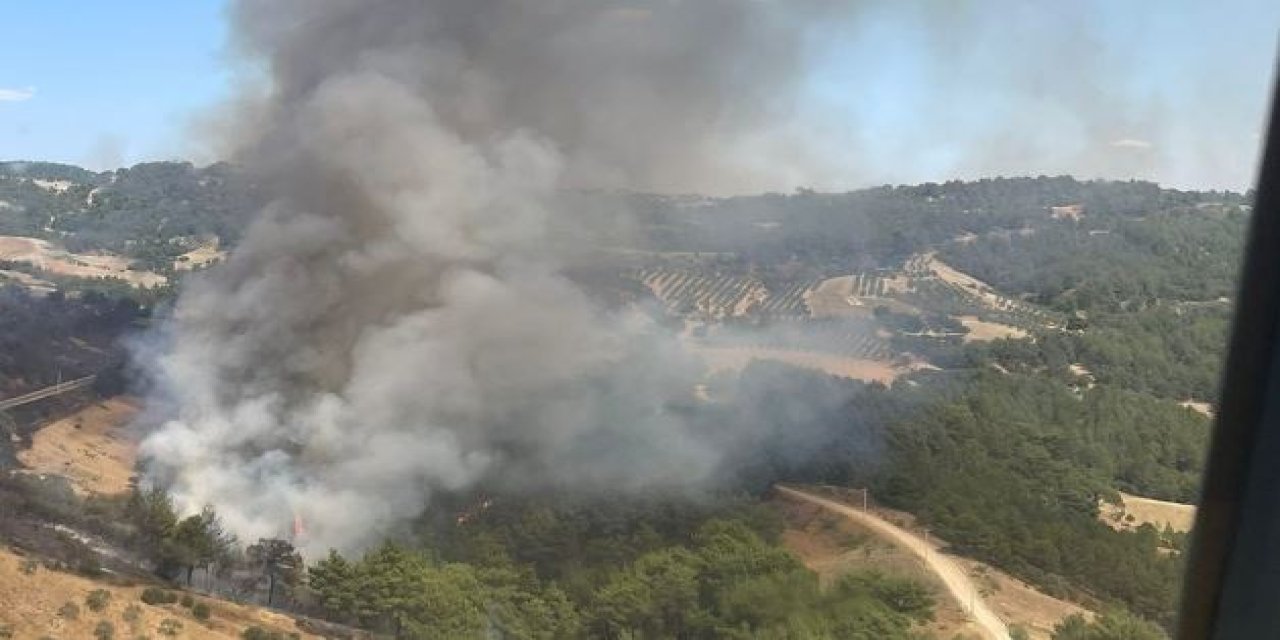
x: 395, y: 323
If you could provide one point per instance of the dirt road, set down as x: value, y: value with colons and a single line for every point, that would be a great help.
x: 957, y: 583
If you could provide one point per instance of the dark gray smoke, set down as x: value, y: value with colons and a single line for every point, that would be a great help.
x: 395, y: 322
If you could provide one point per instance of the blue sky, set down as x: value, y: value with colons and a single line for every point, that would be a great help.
x: 107, y: 81
x: 903, y: 92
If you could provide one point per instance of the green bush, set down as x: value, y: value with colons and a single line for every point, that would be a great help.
x: 170, y: 627
x: 98, y: 599
x: 201, y: 611
x: 258, y: 633
x: 132, y: 613
x: 187, y: 601
x: 29, y: 566
x: 70, y: 611
x: 156, y: 595
x: 104, y: 631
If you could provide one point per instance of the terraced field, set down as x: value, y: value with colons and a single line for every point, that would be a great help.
x: 715, y: 296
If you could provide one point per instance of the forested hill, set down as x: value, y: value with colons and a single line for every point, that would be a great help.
x: 151, y: 212
x: 138, y: 210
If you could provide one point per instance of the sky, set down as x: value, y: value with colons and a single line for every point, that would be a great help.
x: 900, y: 92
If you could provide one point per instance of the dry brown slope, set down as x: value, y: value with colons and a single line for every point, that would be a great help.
x: 91, y: 448
x: 31, y: 604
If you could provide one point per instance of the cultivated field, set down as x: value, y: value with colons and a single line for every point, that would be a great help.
x: 716, y: 296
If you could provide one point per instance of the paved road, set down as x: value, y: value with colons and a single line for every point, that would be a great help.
x: 957, y: 582
x: 47, y: 392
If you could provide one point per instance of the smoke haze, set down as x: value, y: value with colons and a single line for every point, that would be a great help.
x: 395, y: 323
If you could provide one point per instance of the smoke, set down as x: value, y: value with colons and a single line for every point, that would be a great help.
x: 395, y: 322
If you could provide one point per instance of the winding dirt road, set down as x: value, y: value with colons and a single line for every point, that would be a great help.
x: 952, y: 576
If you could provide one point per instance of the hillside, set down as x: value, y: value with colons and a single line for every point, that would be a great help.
x: 39, y: 602
x: 998, y: 358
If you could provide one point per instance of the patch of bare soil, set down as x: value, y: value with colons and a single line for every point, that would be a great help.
x: 199, y: 257
x: 1136, y: 511
x: 47, y: 257
x: 91, y: 448
x: 32, y: 601
x: 984, y: 331
x: 737, y: 358
x: 1202, y: 408
x: 834, y: 297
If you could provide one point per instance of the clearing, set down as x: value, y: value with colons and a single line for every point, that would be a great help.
x: 202, y: 256
x: 1203, y: 408
x: 91, y: 448
x: 1158, y: 513
x: 32, y: 603
x: 737, y: 358
x: 832, y: 545
x: 47, y: 257
x: 953, y: 577
x: 984, y: 331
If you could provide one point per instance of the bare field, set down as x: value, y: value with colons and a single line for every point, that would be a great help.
x: 833, y: 297
x: 31, y: 605
x: 1202, y: 408
x: 91, y: 448
x: 44, y: 255
x: 1158, y: 513
x: 201, y: 256
x: 984, y: 331
x: 737, y: 358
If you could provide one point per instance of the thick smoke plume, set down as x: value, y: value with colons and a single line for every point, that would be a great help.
x: 395, y: 323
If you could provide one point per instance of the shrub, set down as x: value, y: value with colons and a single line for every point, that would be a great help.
x: 132, y: 613
x: 104, y: 631
x: 187, y: 601
x: 98, y: 599
x: 6, y: 631
x: 201, y: 611
x: 156, y: 595
x: 258, y: 633
x: 70, y: 611
x: 29, y: 566
x: 170, y: 627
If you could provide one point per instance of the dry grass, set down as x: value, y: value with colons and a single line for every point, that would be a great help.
x: 1158, y: 513
x: 737, y: 358
x: 45, y: 256
x: 201, y: 256
x: 31, y: 604
x: 91, y: 448
x: 984, y: 331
